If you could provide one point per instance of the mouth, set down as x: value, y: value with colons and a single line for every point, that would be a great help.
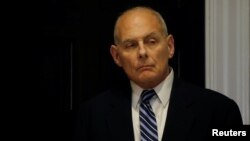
x: 145, y: 67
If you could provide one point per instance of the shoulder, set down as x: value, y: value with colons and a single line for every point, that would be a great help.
x: 204, y: 96
x: 99, y: 98
x: 105, y: 99
x: 200, y: 92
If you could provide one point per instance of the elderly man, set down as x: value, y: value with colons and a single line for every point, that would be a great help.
x: 156, y: 105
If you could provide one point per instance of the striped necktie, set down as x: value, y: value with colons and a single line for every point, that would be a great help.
x: 148, y: 125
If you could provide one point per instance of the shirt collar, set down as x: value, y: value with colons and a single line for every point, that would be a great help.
x: 162, y: 90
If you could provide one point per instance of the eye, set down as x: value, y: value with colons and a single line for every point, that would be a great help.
x: 151, y: 41
x: 130, y: 45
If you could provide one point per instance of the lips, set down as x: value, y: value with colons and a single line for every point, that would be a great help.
x: 145, y: 67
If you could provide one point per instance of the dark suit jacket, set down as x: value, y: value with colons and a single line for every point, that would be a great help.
x: 192, y: 113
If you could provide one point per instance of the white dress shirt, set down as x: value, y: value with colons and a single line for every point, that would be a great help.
x: 159, y: 105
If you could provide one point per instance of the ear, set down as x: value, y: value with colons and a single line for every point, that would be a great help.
x: 171, y: 48
x: 115, y: 54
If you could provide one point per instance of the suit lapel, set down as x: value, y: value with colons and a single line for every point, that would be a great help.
x: 180, y: 117
x: 119, y: 119
x: 178, y: 123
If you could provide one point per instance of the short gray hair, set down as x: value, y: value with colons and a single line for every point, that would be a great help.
x: 157, y: 14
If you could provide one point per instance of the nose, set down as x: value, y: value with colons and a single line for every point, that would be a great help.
x: 142, y: 50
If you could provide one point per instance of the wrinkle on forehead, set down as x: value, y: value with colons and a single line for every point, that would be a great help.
x: 135, y: 17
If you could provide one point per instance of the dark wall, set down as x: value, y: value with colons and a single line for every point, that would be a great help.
x: 71, y: 60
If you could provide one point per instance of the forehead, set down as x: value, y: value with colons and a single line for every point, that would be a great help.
x: 137, y: 23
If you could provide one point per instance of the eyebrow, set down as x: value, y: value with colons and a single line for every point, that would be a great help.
x: 151, y: 34
x: 145, y: 37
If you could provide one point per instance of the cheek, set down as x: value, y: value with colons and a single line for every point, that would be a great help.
x: 162, y: 59
x: 127, y: 62
x: 162, y: 55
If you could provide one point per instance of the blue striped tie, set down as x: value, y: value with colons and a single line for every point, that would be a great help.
x: 148, y: 125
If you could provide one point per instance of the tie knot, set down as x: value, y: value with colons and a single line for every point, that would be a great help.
x: 147, y: 95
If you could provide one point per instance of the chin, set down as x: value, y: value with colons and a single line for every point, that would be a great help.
x: 147, y: 77
x: 147, y: 74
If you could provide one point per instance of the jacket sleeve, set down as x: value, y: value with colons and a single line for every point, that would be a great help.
x: 81, y: 124
x: 233, y: 118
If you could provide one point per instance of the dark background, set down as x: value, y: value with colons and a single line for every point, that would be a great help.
x: 70, y: 60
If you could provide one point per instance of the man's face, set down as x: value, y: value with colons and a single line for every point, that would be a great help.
x: 143, y: 49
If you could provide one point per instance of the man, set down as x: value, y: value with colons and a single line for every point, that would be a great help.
x: 156, y: 105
